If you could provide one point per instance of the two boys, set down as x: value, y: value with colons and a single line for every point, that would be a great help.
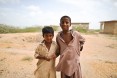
x: 69, y: 44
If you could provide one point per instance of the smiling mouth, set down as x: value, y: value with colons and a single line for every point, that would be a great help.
x: 64, y: 27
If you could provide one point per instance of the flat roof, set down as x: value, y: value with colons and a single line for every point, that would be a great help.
x: 108, y: 21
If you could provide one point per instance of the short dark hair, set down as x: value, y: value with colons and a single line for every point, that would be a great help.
x: 47, y: 29
x: 65, y: 16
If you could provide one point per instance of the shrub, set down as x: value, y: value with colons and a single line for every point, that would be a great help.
x: 80, y: 29
x: 11, y: 29
x: 8, y: 29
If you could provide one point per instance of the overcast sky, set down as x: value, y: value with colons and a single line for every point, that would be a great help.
x: 48, y: 12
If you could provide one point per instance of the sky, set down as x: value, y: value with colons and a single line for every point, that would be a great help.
x: 23, y: 13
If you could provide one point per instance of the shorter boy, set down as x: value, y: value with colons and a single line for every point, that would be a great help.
x: 45, y: 53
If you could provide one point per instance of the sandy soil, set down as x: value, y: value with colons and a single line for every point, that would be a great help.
x: 98, y: 58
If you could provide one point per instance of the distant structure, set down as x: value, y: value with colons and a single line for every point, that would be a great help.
x: 73, y: 26
x: 108, y: 27
x: 81, y: 25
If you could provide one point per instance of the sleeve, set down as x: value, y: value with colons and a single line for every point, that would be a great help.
x: 57, y: 51
x: 39, y: 52
x: 81, y: 40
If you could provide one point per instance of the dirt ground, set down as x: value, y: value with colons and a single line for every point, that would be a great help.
x: 98, y: 58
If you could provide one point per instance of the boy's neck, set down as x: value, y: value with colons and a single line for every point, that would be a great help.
x: 47, y: 43
x: 66, y: 32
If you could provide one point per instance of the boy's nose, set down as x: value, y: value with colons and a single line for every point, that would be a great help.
x: 49, y: 37
x: 64, y: 24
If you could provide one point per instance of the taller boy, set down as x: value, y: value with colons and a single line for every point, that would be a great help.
x: 69, y: 43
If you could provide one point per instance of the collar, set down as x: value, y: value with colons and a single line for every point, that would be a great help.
x: 71, y: 31
x: 43, y: 42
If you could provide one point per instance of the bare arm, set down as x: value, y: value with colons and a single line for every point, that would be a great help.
x: 81, y: 41
x: 58, y: 48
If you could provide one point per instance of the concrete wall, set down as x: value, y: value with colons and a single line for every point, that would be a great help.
x: 108, y: 27
x: 115, y: 28
x: 82, y: 25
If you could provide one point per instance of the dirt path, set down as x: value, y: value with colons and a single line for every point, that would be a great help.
x: 98, y: 58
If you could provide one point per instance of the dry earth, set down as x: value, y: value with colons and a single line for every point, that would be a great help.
x: 98, y: 58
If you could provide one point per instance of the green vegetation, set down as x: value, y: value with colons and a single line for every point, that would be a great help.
x: 80, y: 29
x: 11, y: 29
x: 7, y: 29
x: 93, y: 31
x: 85, y: 31
x: 31, y: 29
x: 55, y: 28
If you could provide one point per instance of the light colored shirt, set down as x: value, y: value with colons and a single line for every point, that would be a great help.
x: 45, y: 69
x: 69, y: 54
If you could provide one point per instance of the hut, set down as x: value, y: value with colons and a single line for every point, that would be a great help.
x: 108, y: 27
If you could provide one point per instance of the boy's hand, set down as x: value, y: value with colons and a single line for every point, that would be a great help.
x: 44, y: 58
x: 48, y: 59
x: 40, y: 57
x: 53, y: 56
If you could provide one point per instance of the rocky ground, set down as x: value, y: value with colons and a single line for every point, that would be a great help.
x: 98, y: 58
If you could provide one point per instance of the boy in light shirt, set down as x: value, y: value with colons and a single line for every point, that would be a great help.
x: 45, y: 52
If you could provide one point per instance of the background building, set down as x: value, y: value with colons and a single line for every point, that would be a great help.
x: 80, y: 25
x: 108, y: 27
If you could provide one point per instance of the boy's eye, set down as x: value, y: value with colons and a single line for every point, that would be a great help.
x: 48, y: 35
x: 65, y: 22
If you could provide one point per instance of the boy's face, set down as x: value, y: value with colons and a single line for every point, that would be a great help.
x: 65, y: 24
x: 48, y: 37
